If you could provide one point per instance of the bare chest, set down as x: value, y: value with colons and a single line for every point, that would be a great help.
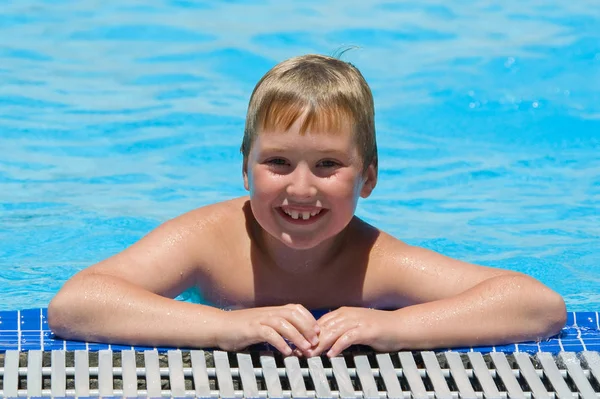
x: 241, y: 283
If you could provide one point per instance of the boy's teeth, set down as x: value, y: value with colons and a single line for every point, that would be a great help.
x: 305, y: 215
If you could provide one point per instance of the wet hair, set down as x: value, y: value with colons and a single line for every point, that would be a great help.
x: 327, y: 92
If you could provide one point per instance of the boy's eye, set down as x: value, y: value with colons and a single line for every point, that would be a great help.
x: 328, y: 163
x: 276, y: 161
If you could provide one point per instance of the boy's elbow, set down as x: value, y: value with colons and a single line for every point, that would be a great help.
x: 59, y: 309
x: 557, y: 313
x: 554, y: 314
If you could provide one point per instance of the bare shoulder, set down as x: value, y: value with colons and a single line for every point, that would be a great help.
x: 411, y: 274
x: 170, y: 258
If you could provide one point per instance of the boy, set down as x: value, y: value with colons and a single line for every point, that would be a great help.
x: 294, y: 244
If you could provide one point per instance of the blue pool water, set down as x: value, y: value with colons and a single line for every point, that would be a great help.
x: 117, y: 117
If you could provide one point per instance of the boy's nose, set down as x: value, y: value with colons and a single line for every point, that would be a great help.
x: 301, y: 183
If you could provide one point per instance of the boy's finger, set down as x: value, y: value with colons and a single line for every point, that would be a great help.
x: 270, y: 336
x: 304, y: 322
x: 346, y: 340
x: 326, y: 318
x: 289, y: 331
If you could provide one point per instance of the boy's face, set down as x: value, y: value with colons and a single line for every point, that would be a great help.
x: 304, y: 188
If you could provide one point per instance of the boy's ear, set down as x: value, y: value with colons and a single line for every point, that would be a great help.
x: 245, y: 174
x: 370, y: 181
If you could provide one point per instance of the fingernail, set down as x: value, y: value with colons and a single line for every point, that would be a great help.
x: 315, y: 341
x: 317, y: 329
x: 329, y: 353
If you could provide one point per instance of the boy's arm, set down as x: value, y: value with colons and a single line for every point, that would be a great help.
x: 451, y: 303
x: 128, y: 297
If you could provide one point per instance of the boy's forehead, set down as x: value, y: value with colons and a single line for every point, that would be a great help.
x: 322, y: 142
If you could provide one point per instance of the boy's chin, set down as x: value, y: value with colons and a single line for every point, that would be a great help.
x: 299, y: 243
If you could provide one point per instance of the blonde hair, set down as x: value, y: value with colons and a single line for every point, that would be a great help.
x: 324, y: 90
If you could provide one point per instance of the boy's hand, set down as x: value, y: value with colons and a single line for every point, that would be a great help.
x: 274, y: 325
x: 348, y: 326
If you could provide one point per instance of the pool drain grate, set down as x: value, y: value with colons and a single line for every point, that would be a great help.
x: 218, y: 374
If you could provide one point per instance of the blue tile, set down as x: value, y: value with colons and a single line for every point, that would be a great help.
x: 570, y: 318
x: 29, y: 337
x: 119, y: 348
x: 462, y: 349
x: 505, y: 348
x: 53, y: 344
x: 483, y: 349
x: 529, y: 348
x: 8, y: 340
x: 593, y: 346
x: 28, y: 345
x: 76, y: 345
x: 97, y: 347
x: 573, y: 347
x: 588, y: 333
x: 588, y: 320
x: 30, y: 320
x: 9, y: 321
x: 551, y: 347
x: 144, y: 348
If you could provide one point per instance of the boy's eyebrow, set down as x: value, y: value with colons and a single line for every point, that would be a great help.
x: 285, y: 149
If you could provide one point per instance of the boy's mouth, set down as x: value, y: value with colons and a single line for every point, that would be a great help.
x: 301, y: 216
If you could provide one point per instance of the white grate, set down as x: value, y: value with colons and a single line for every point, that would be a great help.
x: 218, y: 374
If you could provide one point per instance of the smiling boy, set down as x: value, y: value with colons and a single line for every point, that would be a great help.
x: 294, y: 244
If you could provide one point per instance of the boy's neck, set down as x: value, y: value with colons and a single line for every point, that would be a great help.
x: 298, y: 261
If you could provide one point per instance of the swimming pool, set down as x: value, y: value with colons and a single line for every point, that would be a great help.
x: 116, y: 118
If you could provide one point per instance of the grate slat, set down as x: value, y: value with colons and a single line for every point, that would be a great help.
x: 365, y: 375
x: 592, y: 360
x: 319, y: 378
x: 271, y: 376
x: 553, y: 374
x: 105, y: 375
x: 11, y: 373
x: 200, y: 374
x: 34, y: 373
x: 295, y: 378
x: 533, y: 380
x: 570, y: 361
x: 224, y: 377
x: 247, y: 376
x: 82, y: 373
x: 409, y: 367
x: 483, y: 375
x: 342, y: 378
x: 176, y: 377
x: 129, y: 373
x: 153, y: 382
x: 508, y: 377
x: 388, y: 374
x: 58, y: 379
x: 434, y: 372
x: 459, y: 374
